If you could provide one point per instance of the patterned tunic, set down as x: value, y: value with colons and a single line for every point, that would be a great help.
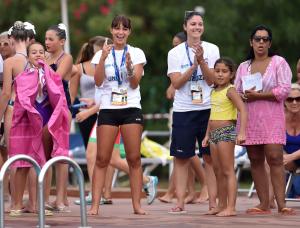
x: 266, y: 120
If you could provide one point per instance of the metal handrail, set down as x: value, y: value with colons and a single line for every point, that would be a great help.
x: 2, y: 174
x: 80, y: 177
x: 155, y: 133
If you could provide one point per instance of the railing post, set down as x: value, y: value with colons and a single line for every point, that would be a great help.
x: 80, y: 177
x: 2, y: 175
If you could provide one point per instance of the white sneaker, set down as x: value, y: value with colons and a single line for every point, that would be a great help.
x: 88, y: 200
x: 151, y: 189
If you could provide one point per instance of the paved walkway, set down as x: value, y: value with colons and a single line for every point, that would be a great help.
x: 120, y: 215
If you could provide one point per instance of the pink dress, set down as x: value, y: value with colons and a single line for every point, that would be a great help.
x: 266, y: 119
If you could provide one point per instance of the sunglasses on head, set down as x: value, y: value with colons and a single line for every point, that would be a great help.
x: 292, y: 99
x: 265, y: 39
x: 188, y: 13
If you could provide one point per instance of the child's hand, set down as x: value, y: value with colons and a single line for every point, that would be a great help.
x: 240, y: 139
x: 205, y: 141
x: 81, y: 116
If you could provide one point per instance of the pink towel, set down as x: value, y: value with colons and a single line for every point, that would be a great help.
x: 26, y: 129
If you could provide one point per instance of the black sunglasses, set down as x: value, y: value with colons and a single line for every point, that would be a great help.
x: 292, y: 99
x: 4, y: 44
x: 265, y: 39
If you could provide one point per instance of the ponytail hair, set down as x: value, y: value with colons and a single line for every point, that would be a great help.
x: 87, y: 50
x: 60, y: 29
x: 18, y: 31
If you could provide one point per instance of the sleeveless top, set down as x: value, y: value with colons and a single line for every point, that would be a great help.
x: 87, y: 84
x: 54, y: 67
x: 292, y: 143
x: 222, y: 107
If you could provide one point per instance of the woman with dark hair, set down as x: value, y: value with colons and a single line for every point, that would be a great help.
x: 196, y: 167
x: 20, y: 35
x: 179, y: 38
x: 119, y: 69
x: 265, y: 130
x: 61, y: 63
x: 190, y: 68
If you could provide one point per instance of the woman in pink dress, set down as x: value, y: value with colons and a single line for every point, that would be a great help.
x: 265, y: 132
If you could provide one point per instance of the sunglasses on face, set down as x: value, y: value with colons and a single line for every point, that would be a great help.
x: 4, y: 44
x: 292, y: 99
x: 265, y: 39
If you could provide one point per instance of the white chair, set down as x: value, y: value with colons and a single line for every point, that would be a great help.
x: 241, y: 162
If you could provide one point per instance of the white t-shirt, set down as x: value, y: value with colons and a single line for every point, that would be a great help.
x: 1, y: 72
x: 178, y: 62
x: 110, y: 80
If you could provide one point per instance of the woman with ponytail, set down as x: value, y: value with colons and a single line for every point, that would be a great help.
x: 83, y: 83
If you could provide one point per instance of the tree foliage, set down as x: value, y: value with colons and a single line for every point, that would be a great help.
x: 228, y: 24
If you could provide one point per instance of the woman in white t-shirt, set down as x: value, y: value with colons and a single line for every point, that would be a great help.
x: 119, y: 69
x: 190, y: 67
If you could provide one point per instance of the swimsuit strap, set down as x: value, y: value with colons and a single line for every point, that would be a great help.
x: 26, y: 57
x: 59, y: 57
x: 82, y: 68
x: 54, y: 65
x: 26, y: 66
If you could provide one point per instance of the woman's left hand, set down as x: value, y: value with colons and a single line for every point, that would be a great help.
x: 198, y: 49
x: 251, y: 95
x: 240, y: 139
x: 129, y: 65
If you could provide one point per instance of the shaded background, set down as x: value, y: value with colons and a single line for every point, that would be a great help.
x: 228, y: 24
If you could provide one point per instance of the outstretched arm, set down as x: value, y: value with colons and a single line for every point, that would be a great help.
x: 239, y: 104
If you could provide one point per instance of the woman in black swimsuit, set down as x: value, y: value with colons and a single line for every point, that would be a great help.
x: 62, y: 63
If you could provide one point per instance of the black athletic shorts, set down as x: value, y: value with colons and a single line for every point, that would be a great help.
x: 117, y: 117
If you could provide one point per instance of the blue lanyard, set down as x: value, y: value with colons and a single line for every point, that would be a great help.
x: 194, y: 75
x: 117, y: 69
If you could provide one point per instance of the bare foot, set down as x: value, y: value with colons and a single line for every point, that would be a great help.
x: 261, y: 207
x: 203, y: 195
x: 226, y: 213
x: 92, y: 212
x: 190, y: 198
x: 272, y: 204
x: 287, y: 211
x: 200, y: 199
x: 165, y: 198
x: 213, y: 211
x: 66, y: 203
x: 140, y: 212
x: 29, y: 209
